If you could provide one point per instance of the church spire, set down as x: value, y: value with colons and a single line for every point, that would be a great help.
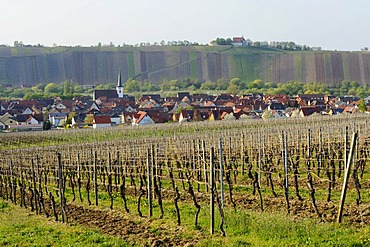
x: 119, y: 81
x: 119, y: 87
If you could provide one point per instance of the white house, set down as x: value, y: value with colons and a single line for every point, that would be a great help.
x: 60, y: 106
x: 33, y: 120
x: 241, y: 41
x: 101, y: 122
x: 8, y: 119
x: 142, y: 118
x: 115, y: 119
x: 27, y: 111
x: 55, y: 118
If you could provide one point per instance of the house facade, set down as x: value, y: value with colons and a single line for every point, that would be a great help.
x: 2, y: 126
x: 142, y: 118
x: 101, y: 122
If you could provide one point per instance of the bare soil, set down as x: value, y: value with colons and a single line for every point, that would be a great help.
x: 134, y: 229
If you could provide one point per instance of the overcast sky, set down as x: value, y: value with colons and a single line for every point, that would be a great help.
x: 331, y: 24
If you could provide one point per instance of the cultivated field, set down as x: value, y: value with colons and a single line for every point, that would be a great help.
x: 176, y: 184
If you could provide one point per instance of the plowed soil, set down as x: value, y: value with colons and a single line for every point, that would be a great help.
x: 144, y: 231
x: 135, y: 230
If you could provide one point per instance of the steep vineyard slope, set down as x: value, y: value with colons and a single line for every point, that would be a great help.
x: 31, y: 65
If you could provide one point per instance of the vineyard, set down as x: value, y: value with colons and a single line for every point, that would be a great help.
x: 297, y: 166
x: 88, y: 65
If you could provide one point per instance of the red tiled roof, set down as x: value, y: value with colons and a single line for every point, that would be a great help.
x: 141, y: 115
x: 238, y: 39
x: 209, y: 103
x: 102, y: 120
x: 350, y: 109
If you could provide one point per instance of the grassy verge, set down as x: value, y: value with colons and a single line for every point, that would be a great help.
x: 19, y: 227
x: 263, y: 229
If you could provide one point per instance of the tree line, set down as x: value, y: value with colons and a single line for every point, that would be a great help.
x: 69, y: 89
x: 282, y: 45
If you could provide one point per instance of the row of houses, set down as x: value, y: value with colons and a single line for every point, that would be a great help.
x: 110, y: 109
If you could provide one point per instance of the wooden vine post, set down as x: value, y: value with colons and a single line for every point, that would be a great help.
x: 12, y: 183
x: 309, y: 175
x: 149, y: 178
x: 205, y: 164
x: 242, y: 153
x: 61, y: 189
x: 110, y: 186
x: 284, y: 147
x: 221, y: 176
x: 212, y: 185
x: 95, y: 178
x: 259, y: 158
x: 346, y: 177
x: 345, y: 147
x: 34, y: 184
x: 286, y: 165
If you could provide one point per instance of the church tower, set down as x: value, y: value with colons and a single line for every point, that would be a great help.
x: 119, y: 87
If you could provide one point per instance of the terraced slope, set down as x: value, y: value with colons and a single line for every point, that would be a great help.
x: 101, y: 65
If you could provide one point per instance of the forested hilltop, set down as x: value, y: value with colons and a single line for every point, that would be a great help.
x: 92, y: 65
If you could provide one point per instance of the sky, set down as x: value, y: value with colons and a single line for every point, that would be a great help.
x: 330, y: 24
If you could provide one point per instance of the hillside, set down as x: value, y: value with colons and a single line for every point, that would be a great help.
x: 85, y: 65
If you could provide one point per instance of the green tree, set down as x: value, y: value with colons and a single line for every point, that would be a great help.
x: 89, y: 119
x: 271, y: 85
x: 78, y: 89
x: 354, y: 84
x: 71, y: 87
x: 293, y: 88
x: 66, y: 88
x: 361, y: 92
x: 30, y: 95
x: 362, y: 105
x: 221, y: 41
x: 313, y: 88
x: 18, y: 92
x: 233, y: 89
x: 131, y: 86
x: 236, y: 81
x: 172, y: 85
x: 51, y: 89
x: 148, y: 87
x: 222, y: 84
x: 256, y: 84
x: 352, y: 91
x: 345, y: 86
x: 184, y: 83
x: 208, y: 86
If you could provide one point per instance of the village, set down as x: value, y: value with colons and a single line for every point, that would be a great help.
x: 114, y: 108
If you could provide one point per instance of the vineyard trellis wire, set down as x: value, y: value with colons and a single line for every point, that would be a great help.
x: 291, y: 160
